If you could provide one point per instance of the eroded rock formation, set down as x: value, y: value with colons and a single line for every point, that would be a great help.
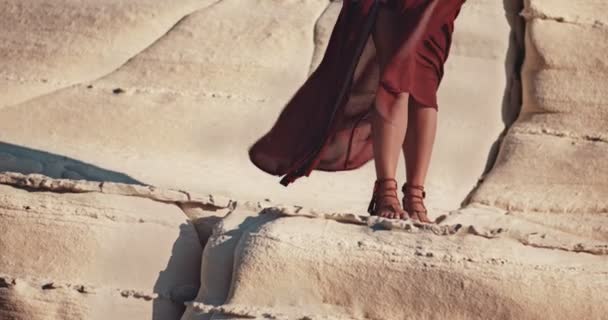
x: 554, y: 157
x: 102, y: 100
x: 70, y: 251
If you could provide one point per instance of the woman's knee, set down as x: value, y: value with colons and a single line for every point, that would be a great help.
x: 388, y: 105
x: 415, y: 105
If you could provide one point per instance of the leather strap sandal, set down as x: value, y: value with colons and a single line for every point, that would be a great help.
x: 385, y: 202
x: 410, y: 199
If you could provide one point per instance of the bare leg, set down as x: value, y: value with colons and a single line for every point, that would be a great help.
x: 389, y: 122
x: 419, y: 140
x: 417, y: 150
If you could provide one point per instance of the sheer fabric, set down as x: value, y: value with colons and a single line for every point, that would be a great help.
x: 326, y: 124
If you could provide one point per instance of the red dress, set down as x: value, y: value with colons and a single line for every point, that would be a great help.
x: 326, y: 124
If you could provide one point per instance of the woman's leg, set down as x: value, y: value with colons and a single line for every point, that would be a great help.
x: 419, y: 140
x: 389, y: 122
x: 417, y: 150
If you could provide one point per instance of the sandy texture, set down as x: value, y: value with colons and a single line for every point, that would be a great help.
x: 301, y: 264
x: 92, y: 255
x: 285, y: 262
x: 205, y: 90
x: 554, y: 157
x: 544, y: 257
x: 49, y: 45
x: 126, y: 126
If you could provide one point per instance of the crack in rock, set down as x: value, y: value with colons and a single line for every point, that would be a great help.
x: 407, y: 225
x: 561, y: 134
x: 43, y: 183
x: 256, y: 312
x: 179, y: 294
x: 534, y: 13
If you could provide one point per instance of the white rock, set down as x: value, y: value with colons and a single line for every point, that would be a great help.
x: 113, y: 257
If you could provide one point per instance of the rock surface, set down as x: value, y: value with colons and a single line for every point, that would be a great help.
x: 126, y: 126
x: 308, y: 265
x: 49, y: 45
x: 90, y: 255
x: 553, y: 158
x: 202, y: 92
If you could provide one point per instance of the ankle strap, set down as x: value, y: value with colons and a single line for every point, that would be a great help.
x: 414, y: 186
x: 385, y: 180
x: 389, y: 191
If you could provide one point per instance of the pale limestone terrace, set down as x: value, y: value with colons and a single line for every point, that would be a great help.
x: 126, y: 192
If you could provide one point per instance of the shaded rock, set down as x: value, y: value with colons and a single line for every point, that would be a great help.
x: 552, y: 159
x: 91, y: 246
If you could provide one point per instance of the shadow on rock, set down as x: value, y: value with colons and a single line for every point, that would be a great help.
x: 14, y: 158
x: 512, y: 98
x: 218, y: 256
x: 180, y: 280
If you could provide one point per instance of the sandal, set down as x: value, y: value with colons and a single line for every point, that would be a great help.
x: 410, y: 199
x: 385, y: 202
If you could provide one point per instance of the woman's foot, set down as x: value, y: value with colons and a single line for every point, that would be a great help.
x: 385, y: 202
x: 413, y: 196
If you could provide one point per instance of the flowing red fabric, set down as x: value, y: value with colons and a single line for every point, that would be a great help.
x: 326, y: 124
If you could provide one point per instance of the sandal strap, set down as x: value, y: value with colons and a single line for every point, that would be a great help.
x: 409, y: 208
x: 385, y: 180
x: 416, y: 210
x: 410, y: 198
x: 389, y: 195
x: 382, y: 190
x: 381, y: 184
x: 407, y: 186
x: 373, y: 205
x: 415, y: 196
